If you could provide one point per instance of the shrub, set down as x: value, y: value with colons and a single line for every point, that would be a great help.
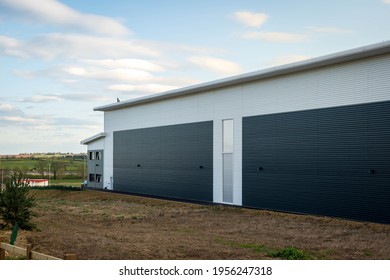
x: 290, y: 253
x: 16, y: 203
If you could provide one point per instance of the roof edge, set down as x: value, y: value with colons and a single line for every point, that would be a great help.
x: 339, y: 57
x: 93, y: 138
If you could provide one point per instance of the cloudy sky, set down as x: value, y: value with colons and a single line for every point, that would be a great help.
x: 59, y: 59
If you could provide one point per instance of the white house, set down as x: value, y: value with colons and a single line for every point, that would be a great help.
x: 38, y: 182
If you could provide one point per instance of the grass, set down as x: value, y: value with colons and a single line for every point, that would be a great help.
x: 104, y: 225
x: 29, y: 164
x: 290, y: 253
x: 23, y: 164
x: 66, y: 182
x: 287, y: 253
x: 15, y: 258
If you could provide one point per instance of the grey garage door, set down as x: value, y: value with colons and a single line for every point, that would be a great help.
x: 171, y: 161
x: 333, y: 162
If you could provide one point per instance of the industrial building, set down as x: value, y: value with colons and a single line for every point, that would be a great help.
x: 310, y: 137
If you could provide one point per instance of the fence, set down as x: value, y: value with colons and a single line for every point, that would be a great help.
x: 29, y: 254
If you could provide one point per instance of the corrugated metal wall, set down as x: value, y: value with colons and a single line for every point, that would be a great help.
x: 171, y: 161
x: 333, y: 162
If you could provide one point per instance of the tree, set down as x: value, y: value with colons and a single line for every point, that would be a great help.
x: 80, y: 171
x: 58, y: 168
x: 41, y: 167
x: 16, y: 203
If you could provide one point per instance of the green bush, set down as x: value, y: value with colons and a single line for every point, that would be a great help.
x: 16, y: 203
x: 59, y: 187
x: 289, y: 253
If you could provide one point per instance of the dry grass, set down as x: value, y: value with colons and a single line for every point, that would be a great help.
x: 97, y: 225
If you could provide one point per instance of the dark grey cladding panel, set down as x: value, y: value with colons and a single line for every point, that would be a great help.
x: 333, y: 162
x: 171, y: 161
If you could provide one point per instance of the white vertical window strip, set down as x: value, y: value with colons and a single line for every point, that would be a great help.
x: 227, y: 158
x: 227, y: 136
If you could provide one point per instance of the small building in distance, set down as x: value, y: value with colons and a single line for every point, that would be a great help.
x: 38, y: 182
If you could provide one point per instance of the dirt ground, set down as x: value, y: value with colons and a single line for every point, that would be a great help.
x: 98, y: 225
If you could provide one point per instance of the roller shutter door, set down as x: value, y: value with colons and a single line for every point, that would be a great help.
x: 170, y: 161
x: 333, y: 162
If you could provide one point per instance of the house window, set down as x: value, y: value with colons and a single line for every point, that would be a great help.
x: 91, y: 155
x: 227, y: 159
x: 227, y: 131
x: 92, y: 177
x: 98, y: 178
x: 98, y: 155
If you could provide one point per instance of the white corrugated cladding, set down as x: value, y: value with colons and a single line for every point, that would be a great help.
x: 96, y: 145
x: 360, y: 81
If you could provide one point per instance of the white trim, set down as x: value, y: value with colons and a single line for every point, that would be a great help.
x: 93, y: 138
x: 217, y: 162
x: 237, y: 162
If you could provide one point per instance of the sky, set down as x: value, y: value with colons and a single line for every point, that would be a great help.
x: 60, y: 59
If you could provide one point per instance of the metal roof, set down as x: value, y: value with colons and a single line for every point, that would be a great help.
x: 345, y: 56
x: 93, y: 138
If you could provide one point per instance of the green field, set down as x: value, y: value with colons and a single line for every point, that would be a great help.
x: 29, y: 164
x: 70, y: 174
x: 13, y: 164
x: 66, y: 182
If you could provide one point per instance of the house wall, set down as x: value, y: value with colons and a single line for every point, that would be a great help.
x: 96, y: 144
x: 39, y: 183
x: 356, y: 82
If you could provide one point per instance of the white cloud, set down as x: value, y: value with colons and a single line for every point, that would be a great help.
x: 10, y: 47
x: 286, y: 59
x: 117, y: 70
x: 54, y: 12
x: 44, y: 122
x: 11, y: 115
x: 55, y: 45
x: 76, y: 71
x: 122, y: 75
x: 85, y: 97
x: 217, y: 65
x: 250, y: 19
x: 335, y: 30
x: 7, y: 108
x: 25, y: 74
x: 275, y: 36
x: 8, y: 42
x: 129, y: 75
x: 80, y: 97
x: 20, y: 120
x: 386, y: 1
x: 43, y: 98
x: 139, y: 64
x: 73, y: 46
x: 147, y: 88
x: 96, y: 49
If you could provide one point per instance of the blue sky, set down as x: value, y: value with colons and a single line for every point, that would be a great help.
x: 59, y: 59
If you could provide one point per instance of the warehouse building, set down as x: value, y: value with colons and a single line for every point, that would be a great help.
x: 309, y: 137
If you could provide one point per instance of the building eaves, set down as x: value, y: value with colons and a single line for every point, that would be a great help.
x: 340, y: 57
x: 93, y: 138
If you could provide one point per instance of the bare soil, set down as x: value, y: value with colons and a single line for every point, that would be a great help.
x: 100, y: 225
